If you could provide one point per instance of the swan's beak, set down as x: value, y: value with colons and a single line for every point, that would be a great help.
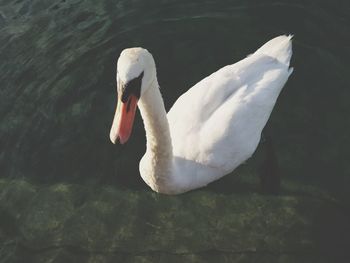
x: 123, y: 119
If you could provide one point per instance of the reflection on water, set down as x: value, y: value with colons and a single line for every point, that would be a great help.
x: 57, y: 94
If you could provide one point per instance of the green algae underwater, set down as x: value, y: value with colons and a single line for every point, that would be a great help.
x: 68, y: 195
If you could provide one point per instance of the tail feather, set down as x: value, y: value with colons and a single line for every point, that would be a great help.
x: 280, y: 48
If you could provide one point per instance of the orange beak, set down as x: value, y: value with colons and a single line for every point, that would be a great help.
x: 123, y: 119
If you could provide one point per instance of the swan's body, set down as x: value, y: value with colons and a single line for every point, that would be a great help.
x: 213, y: 127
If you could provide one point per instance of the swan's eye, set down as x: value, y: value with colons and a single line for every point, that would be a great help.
x: 132, y: 87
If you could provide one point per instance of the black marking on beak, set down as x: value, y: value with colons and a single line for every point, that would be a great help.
x: 128, y: 105
x: 132, y: 87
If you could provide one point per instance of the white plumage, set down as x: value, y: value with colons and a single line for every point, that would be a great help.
x: 213, y: 127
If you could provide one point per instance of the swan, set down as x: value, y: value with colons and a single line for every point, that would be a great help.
x: 212, y: 128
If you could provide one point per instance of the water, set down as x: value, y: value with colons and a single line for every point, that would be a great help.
x: 58, y: 62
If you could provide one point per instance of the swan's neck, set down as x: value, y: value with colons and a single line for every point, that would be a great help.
x: 155, y: 166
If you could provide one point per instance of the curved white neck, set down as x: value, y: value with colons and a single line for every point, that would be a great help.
x: 155, y: 166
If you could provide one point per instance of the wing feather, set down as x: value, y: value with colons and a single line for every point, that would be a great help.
x: 218, y: 122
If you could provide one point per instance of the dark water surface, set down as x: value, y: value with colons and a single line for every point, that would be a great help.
x: 58, y: 167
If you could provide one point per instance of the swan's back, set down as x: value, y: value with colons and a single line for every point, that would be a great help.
x: 218, y: 122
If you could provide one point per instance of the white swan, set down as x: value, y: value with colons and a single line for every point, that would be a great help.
x: 212, y: 128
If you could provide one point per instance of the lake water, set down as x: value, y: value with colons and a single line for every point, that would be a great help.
x: 57, y: 101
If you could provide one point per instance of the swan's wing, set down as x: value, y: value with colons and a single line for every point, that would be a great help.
x: 218, y: 122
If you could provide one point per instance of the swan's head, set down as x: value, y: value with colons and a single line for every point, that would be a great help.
x: 135, y: 73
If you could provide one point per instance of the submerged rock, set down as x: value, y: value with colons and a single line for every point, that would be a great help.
x: 70, y: 223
